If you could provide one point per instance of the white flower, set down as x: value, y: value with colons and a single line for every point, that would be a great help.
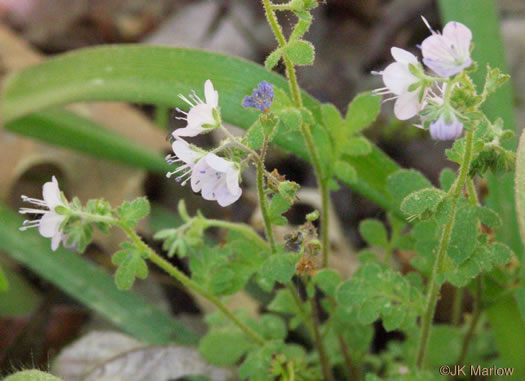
x: 216, y: 179
x: 49, y: 223
x: 203, y: 116
x: 186, y: 154
x: 445, y: 128
x: 398, y: 79
x: 448, y: 53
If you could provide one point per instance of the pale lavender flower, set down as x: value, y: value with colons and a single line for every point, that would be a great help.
x: 49, y: 224
x: 203, y: 115
x: 261, y: 98
x: 445, y: 128
x: 398, y: 79
x: 217, y: 179
x: 448, y: 53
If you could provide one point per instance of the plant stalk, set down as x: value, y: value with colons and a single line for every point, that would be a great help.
x: 434, y: 287
x: 263, y: 203
x: 189, y: 283
x: 305, y: 129
x: 476, y: 313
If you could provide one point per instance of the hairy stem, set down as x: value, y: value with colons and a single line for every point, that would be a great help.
x: 476, y: 313
x: 189, y: 283
x: 173, y: 271
x: 263, y: 203
x: 457, y: 306
x: 434, y: 287
x: 305, y: 128
x: 325, y: 364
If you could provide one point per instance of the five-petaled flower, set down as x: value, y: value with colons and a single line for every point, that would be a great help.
x: 216, y: 179
x: 448, y: 53
x: 400, y: 81
x: 261, y: 98
x: 203, y: 116
x: 49, y: 225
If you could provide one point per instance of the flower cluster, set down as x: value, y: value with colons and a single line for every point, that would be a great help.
x: 216, y: 178
x: 417, y: 93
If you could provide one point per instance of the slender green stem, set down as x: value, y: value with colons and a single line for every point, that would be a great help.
x: 476, y: 313
x: 242, y: 228
x: 189, y: 283
x: 263, y: 202
x: 325, y: 364
x: 173, y: 271
x: 305, y: 129
x: 457, y: 306
x: 472, y: 194
x: 434, y: 287
x: 352, y: 370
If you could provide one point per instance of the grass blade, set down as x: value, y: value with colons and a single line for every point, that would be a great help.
x: 156, y: 75
x: 89, y: 285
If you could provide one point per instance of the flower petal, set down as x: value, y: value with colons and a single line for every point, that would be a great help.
x: 51, y: 194
x: 55, y: 241
x: 441, y: 130
x: 228, y: 198
x: 184, y: 151
x: 407, y: 105
x: 218, y: 163
x: 403, y: 56
x: 460, y: 35
x: 49, y: 224
x: 212, y: 96
x: 398, y: 78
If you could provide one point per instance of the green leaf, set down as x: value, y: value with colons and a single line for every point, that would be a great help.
x: 301, y: 27
x: 464, y: 234
x: 255, y: 136
x: 494, y: 80
x: 446, y: 179
x: 374, y: 233
x: 32, y: 375
x: 131, y: 212
x: 273, y: 327
x: 488, y: 217
x: 273, y: 59
x: 3, y: 280
x: 358, y: 146
x: 345, y: 170
x: 327, y: 280
x: 420, y: 201
x: 88, y: 284
x: 300, y: 52
x: 325, y: 149
x: 362, y: 112
x: 403, y: 182
x: 224, y: 347
x: 278, y: 206
x: 520, y: 186
x: 130, y: 265
x: 519, y: 295
x: 284, y: 303
x: 279, y: 267
x: 500, y: 254
x: 65, y: 129
x: 376, y: 291
x: 333, y: 122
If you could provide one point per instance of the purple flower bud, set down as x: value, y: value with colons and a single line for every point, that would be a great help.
x: 261, y: 98
x: 440, y: 129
